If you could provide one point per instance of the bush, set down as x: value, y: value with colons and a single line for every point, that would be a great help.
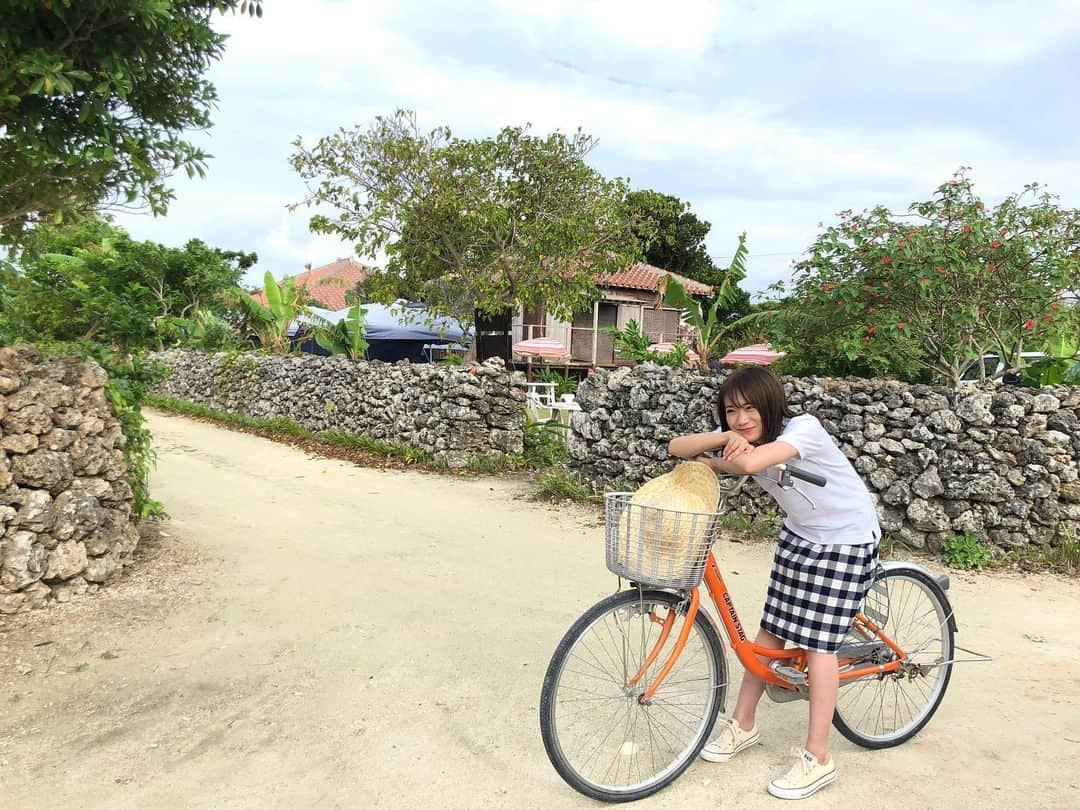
x: 966, y: 551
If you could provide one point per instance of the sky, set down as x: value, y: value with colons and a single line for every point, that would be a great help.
x: 766, y: 117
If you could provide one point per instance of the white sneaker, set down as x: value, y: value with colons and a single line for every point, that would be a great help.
x: 806, y: 777
x: 731, y: 740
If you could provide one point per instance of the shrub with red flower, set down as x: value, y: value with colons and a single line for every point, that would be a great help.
x: 980, y: 297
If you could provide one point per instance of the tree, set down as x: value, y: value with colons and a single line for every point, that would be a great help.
x: 471, y: 226
x: 89, y: 280
x: 673, y: 238
x: 95, y: 97
x: 939, y: 286
x: 708, y: 320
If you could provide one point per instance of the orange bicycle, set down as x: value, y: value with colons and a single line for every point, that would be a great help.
x: 634, y: 687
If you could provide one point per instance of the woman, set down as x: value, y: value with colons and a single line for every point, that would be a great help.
x: 824, y: 563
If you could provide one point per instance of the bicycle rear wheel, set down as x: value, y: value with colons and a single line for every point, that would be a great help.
x: 880, y: 711
x: 597, y: 734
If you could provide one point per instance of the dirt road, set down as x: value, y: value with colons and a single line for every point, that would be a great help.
x: 314, y: 634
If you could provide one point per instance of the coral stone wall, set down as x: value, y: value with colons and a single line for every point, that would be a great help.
x: 996, y: 460
x: 65, y: 509
x: 453, y: 413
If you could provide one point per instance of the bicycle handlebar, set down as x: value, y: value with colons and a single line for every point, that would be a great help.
x: 808, y: 477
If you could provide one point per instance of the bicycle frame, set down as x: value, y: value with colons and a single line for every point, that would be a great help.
x: 751, y: 655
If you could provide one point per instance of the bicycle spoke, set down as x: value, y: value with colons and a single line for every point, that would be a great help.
x: 606, y: 735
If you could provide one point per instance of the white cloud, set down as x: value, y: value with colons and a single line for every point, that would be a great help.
x: 751, y: 161
x: 674, y: 26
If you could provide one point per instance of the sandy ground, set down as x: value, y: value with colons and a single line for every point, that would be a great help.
x: 308, y: 633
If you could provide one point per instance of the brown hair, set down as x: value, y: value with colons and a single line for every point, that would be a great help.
x: 761, y: 388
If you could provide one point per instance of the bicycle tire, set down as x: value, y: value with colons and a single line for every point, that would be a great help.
x: 910, y: 590
x: 616, y: 705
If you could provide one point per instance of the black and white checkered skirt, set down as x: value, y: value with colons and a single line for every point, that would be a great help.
x: 815, y: 590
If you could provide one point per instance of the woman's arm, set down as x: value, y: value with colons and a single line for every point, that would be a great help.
x: 695, y: 444
x: 753, y: 462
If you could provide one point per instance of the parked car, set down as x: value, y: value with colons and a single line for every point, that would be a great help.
x: 994, y: 365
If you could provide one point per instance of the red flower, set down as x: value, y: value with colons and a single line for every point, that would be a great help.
x: 966, y: 229
x: 1055, y: 307
x: 886, y: 260
x: 1003, y: 231
x: 871, y: 329
x: 1029, y: 324
x: 1049, y: 319
x: 839, y: 302
x: 995, y: 244
x: 900, y: 243
x: 900, y: 325
x: 924, y: 280
x: 990, y: 268
x: 871, y: 310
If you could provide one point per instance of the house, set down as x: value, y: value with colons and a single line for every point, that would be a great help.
x: 629, y: 295
x: 328, y: 285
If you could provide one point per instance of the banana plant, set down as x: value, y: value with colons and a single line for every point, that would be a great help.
x: 284, y: 304
x: 711, y: 330
x: 1060, y: 366
x: 344, y: 337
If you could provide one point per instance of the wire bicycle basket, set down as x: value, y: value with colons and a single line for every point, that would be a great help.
x: 665, y: 548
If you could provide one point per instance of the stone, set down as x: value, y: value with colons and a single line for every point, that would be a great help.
x: 22, y: 560
x: 975, y: 409
x: 927, y: 516
x: 989, y: 487
x: 882, y: 478
x: 36, y: 513
x: 9, y: 382
x: 928, y: 484
x: 944, y: 421
x: 891, y: 520
x: 43, y: 469
x: 58, y: 439
x: 874, y: 431
x: 1045, y: 403
x: 33, y: 596
x: 893, y: 447
x: 77, y: 515
x: 19, y: 443
x: 899, y: 494
x: 864, y: 465
x: 32, y: 418
x: 65, y: 561
x: 101, y: 569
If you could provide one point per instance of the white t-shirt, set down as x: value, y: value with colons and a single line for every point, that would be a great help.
x: 842, y: 513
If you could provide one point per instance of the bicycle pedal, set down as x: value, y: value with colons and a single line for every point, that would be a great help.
x: 796, y: 677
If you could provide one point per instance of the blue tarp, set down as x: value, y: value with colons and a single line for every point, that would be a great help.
x: 400, y: 321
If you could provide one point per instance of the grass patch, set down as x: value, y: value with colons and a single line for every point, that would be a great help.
x: 965, y: 551
x: 765, y: 526
x: 559, y: 485
x: 352, y: 443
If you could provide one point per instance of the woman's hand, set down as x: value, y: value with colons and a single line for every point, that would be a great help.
x: 735, y: 446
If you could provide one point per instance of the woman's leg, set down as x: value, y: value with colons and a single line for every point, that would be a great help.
x: 824, y: 686
x: 752, y: 686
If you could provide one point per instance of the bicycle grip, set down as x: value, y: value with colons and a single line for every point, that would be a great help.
x: 808, y: 477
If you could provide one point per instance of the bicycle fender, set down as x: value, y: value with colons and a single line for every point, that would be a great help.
x: 941, y: 583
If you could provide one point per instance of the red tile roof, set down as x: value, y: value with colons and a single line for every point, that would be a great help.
x: 328, y: 284
x: 647, y: 277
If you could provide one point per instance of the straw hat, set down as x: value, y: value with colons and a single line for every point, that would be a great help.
x: 690, y: 487
x: 668, y: 537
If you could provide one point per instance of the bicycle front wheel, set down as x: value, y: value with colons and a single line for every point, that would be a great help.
x: 601, y: 739
x: 880, y: 711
